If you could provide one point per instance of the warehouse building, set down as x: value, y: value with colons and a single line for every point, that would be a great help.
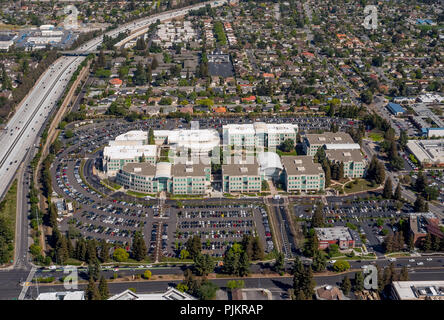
x: 430, y: 153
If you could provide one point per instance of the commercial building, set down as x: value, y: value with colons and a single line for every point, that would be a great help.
x: 62, y: 295
x: 328, y: 140
x: 259, y: 134
x: 172, y: 178
x: 434, y: 132
x: 418, y: 290
x: 354, y: 163
x: 170, y: 294
x: 422, y: 224
x: 241, y: 177
x: 430, y: 153
x: 301, y: 174
x: 335, y: 235
x: 197, y: 141
x: 127, y: 148
x: 395, y: 109
x: 6, y: 41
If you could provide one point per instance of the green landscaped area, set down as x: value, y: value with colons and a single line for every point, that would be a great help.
x: 361, y: 185
x: 110, y: 185
x: 139, y: 194
x: 376, y: 137
x: 8, y: 210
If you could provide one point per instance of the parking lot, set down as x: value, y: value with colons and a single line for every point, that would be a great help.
x: 220, y: 227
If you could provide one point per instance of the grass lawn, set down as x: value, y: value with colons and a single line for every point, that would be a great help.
x: 362, y: 185
x: 282, y: 153
x: 139, y: 194
x: 110, y: 184
x: 376, y: 137
x: 8, y: 211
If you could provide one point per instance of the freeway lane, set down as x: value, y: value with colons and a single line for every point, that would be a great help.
x: 24, y: 127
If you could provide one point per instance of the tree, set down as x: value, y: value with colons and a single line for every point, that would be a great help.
x: 203, y: 264
x: 421, y: 182
x: 236, y: 261
x: 94, y: 270
x: 317, y: 220
x: 287, y: 145
x: 194, y: 246
x: 397, y: 195
x: 120, y: 255
x: 279, y: 263
x: 319, y: 261
x: 359, y: 281
x: 346, y: 285
x: 103, y: 288
x: 91, y: 291
x: 341, y: 266
x: 147, y: 274
x: 387, y: 191
x: 138, y: 249
x: 420, y: 205
x: 404, y: 274
x: 151, y: 136
x: 235, y: 284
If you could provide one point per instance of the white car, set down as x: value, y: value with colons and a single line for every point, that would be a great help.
x: 411, y: 260
x: 392, y: 259
x: 52, y: 268
x: 429, y: 259
x: 420, y: 263
x: 332, y: 261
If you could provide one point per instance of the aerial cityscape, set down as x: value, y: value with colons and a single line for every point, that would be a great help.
x: 222, y: 150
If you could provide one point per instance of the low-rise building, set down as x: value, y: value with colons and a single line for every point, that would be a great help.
x: 430, y: 153
x: 172, y: 178
x: 259, y: 134
x: 354, y: 163
x: 328, y: 140
x: 422, y: 224
x: 241, y: 177
x: 335, y: 235
x: 418, y: 290
x: 301, y: 174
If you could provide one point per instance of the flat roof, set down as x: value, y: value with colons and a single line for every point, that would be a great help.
x: 411, y: 290
x: 344, y: 155
x: 301, y: 165
x: 241, y: 169
x: 189, y: 170
x: 130, y: 151
x: 143, y: 169
x: 133, y: 135
x: 334, y: 233
x: 329, y: 138
x: 427, y: 151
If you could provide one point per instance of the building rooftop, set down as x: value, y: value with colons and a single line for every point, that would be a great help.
x: 269, y: 160
x: 129, y: 152
x: 334, y: 233
x: 427, y: 151
x: 241, y: 169
x: 329, y: 138
x: 189, y: 170
x: 344, y: 155
x: 301, y: 165
x: 144, y: 169
x: 416, y: 290
x: 134, y: 135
